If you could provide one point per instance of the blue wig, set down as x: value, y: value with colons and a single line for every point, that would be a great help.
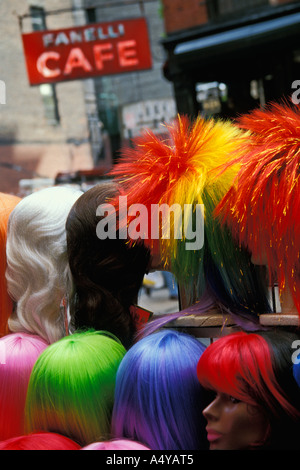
x: 296, y: 372
x: 158, y: 399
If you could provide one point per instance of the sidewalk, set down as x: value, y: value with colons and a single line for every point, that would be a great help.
x: 158, y: 301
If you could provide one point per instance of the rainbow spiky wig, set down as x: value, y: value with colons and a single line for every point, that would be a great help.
x: 262, y: 207
x: 177, y: 169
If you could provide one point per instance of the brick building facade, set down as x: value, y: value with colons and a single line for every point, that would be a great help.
x: 228, y: 56
x: 33, y: 140
x: 68, y: 126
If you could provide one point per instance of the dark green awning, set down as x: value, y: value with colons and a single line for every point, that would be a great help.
x: 238, y: 38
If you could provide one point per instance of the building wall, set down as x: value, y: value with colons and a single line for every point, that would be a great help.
x: 132, y: 87
x: 134, y: 94
x: 30, y: 145
x: 183, y: 15
x: 179, y: 15
x: 27, y: 141
x: 229, y: 79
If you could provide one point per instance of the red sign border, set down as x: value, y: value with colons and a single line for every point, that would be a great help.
x: 138, y: 34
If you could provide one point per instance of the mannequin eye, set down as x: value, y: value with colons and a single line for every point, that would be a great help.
x: 210, y: 395
x: 234, y: 400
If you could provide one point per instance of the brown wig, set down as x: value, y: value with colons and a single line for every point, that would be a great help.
x: 107, y: 273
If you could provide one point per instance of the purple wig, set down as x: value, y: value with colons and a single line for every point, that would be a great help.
x: 158, y: 401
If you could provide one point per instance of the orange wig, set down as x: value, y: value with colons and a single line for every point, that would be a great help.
x: 7, y: 204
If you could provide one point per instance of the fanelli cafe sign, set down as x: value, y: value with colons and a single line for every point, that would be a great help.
x: 87, y: 51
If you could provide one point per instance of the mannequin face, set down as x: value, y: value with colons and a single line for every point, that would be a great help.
x: 233, y: 424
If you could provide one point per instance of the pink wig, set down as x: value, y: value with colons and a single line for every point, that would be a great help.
x: 18, y: 353
x: 39, y: 441
x: 262, y: 207
x: 116, y: 444
x: 7, y: 204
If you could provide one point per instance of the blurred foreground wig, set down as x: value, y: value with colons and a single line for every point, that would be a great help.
x: 116, y: 444
x: 40, y: 441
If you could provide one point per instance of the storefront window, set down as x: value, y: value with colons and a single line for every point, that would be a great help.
x: 48, y: 92
x: 221, y: 8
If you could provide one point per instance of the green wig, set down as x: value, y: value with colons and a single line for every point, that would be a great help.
x: 71, y: 388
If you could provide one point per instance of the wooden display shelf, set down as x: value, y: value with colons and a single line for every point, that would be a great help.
x: 209, y: 325
x: 214, y: 324
x: 279, y: 319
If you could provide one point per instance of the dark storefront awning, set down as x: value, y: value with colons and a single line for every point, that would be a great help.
x: 245, y: 36
x: 250, y: 43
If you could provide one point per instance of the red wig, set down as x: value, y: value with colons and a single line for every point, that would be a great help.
x: 262, y: 207
x: 39, y: 441
x: 7, y: 204
x: 241, y: 365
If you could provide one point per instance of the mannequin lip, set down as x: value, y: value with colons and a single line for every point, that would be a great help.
x: 212, y: 435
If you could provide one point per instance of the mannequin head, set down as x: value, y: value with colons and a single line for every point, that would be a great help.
x: 178, y: 170
x: 38, y: 275
x: 18, y: 353
x: 108, y: 273
x: 262, y: 207
x: 7, y: 204
x: 71, y: 388
x: 39, y: 441
x: 255, y: 400
x: 154, y: 379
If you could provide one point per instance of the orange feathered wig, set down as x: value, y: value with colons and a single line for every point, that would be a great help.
x: 7, y: 204
x: 262, y: 207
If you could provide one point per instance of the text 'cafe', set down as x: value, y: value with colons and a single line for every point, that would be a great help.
x: 87, y: 51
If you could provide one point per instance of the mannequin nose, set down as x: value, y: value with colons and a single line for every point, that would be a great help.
x: 211, y: 412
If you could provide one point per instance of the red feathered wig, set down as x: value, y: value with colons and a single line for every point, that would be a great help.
x: 262, y: 207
